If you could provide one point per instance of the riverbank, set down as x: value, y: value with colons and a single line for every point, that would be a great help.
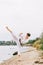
x: 26, y: 58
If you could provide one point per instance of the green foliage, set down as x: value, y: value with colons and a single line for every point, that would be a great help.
x: 41, y: 37
x: 41, y: 47
x: 37, y: 44
x: 7, y: 43
x: 30, y: 41
x: 41, y: 44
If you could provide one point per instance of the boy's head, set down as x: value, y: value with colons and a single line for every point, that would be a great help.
x: 28, y: 35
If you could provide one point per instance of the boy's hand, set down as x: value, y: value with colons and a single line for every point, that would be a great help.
x: 8, y: 29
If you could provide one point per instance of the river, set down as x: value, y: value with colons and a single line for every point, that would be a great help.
x: 6, y: 52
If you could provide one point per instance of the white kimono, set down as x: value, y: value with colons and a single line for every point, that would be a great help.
x: 16, y: 39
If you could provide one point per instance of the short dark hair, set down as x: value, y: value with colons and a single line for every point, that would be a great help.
x: 28, y: 34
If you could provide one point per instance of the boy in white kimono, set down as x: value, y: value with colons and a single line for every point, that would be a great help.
x: 21, y: 40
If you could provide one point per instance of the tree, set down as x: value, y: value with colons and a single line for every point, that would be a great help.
x: 41, y: 37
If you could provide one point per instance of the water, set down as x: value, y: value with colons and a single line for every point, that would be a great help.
x: 6, y: 52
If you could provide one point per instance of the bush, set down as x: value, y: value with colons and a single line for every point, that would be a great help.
x: 37, y: 44
x: 41, y: 47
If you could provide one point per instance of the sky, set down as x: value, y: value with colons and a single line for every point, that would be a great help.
x: 21, y: 16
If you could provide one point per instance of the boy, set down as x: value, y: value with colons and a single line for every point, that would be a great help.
x: 22, y: 39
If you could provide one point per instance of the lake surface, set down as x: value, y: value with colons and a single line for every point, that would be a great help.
x: 6, y: 52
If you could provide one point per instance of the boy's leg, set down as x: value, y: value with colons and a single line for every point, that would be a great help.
x: 18, y: 48
x: 15, y: 39
x: 19, y: 52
